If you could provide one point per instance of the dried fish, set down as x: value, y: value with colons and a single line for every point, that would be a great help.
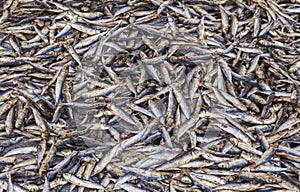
x: 149, y: 95
x: 81, y: 182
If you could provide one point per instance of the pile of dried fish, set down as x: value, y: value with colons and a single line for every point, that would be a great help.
x: 150, y: 95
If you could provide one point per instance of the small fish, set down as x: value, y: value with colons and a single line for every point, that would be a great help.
x: 238, y: 187
x: 266, y: 156
x: 22, y: 150
x: 45, y: 162
x: 9, y: 122
x: 4, y: 16
x: 180, y: 160
x: 100, y: 92
x: 250, y: 50
x: 265, y: 177
x: 187, y: 125
x: 148, y: 174
x: 40, y: 123
x: 257, y: 24
x: 73, y: 53
x: 6, y: 106
x: 81, y: 182
x: 105, y: 160
x: 234, y: 25
x: 234, y: 163
x: 121, y: 113
x: 83, y: 29
x: 224, y: 19
x: 182, y: 101
x: 262, y: 139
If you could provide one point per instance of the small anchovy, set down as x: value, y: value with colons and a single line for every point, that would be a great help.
x: 187, y: 125
x: 6, y: 106
x: 41, y: 150
x: 266, y: 156
x: 81, y: 182
x: 235, y: 132
x: 238, y: 187
x: 264, y: 177
x: 182, y: 102
x: 100, y: 92
x: 291, y: 121
x: 45, y: 162
x: 180, y: 160
x: 246, y: 147
x: 203, y: 184
x: 148, y: 174
x: 106, y: 159
x: 84, y: 29
x: 224, y: 19
x: 141, y: 135
x: 198, y: 164
x: 9, y: 122
x: 130, y: 187
x: 288, y: 150
x: 262, y: 139
x: 73, y: 53
x: 121, y: 113
x: 234, y: 163
x: 40, y: 123
x: 5, y: 96
x: 22, y: 150
x: 234, y: 25
x: 269, y: 168
x: 59, y: 82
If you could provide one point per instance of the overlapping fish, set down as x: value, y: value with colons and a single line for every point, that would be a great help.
x: 150, y: 95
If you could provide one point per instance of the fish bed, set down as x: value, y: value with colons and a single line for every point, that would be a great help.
x: 151, y: 95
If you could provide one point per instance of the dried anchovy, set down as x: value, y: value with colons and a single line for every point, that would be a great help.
x: 149, y: 95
